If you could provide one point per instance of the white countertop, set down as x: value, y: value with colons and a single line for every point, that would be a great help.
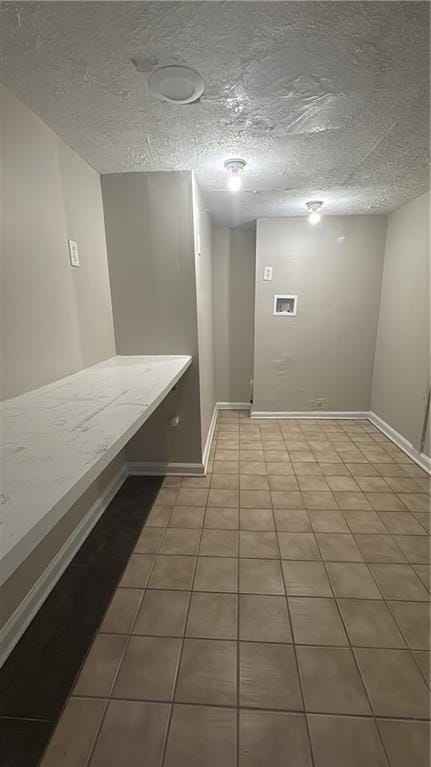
x: 56, y: 440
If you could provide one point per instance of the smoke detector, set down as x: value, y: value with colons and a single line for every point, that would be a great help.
x: 178, y: 84
x: 234, y: 168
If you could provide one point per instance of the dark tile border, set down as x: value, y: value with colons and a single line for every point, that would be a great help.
x: 38, y: 675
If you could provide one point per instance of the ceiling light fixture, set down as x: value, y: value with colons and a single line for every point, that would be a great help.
x: 314, y: 207
x: 177, y: 84
x: 235, y: 168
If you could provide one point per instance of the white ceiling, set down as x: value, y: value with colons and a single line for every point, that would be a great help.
x: 325, y: 100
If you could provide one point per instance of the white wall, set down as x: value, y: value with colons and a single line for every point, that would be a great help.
x: 150, y: 237
x: 401, y: 367
x: 55, y: 319
x: 205, y: 309
x: 234, y: 252
x: 327, y: 350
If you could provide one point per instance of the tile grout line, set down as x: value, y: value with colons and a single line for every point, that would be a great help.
x: 259, y: 593
x: 233, y: 707
x: 171, y: 702
x: 126, y: 645
x: 404, y: 561
x: 180, y: 655
x: 301, y: 688
x: 355, y: 646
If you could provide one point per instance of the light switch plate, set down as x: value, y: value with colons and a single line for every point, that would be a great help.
x: 73, y: 253
x: 267, y: 273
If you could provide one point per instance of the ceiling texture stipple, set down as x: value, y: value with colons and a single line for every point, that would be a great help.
x: 324, y: 100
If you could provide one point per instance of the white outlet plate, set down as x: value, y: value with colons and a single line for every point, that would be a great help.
x: 267, y: 273
x: 73, y: 252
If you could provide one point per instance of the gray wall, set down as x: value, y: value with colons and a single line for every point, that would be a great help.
x: 55, y: 319
x: 401, y: 368
x: 150, y: 238
x: 205, y: 308
x: 327, y: 350
x: 234, y: 252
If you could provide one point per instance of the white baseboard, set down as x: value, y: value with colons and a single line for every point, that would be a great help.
x: 190, y: 469
x: 233, y: 406
x: 333, y: 414
x: 424, y: 461
x: 142, y: 468
x: 210, y: 436
x: 421, y: 459
x: 13, y: 630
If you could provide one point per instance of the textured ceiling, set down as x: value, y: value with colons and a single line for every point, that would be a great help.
x: 326, y: 100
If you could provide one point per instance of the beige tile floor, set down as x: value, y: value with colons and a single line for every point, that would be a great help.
x: 274, y: 613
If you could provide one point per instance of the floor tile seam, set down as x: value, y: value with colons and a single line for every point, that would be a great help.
x: 363, y: 560
x: 347, y: 635
x: 322, y: 558
x: 130, y: 634
x: 97, y: 732
x: 302, y: 508
x: 206, y: 637
x: 392, y: 535
x: 389, y: 532
x: 84, y: 660
x: 406, y: 559
x: 418, y: 520
x: 351, y: 716
x: 334, y: 597
x: 368, y: 569
x: 401, y: 630
x: 361, y: 677
x: 145, y: 588
x: 123, y: 653
x: 355, y: 645
x: 234, y: 707
x: 259, y: 593
x: 375, y: 716
x: 180, y: 655
x: 147, y: 580
x: 300, y: 684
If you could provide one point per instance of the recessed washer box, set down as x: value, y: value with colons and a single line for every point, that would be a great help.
x: 285, y: 306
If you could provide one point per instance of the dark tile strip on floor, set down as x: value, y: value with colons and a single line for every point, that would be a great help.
x: 38, y: 675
